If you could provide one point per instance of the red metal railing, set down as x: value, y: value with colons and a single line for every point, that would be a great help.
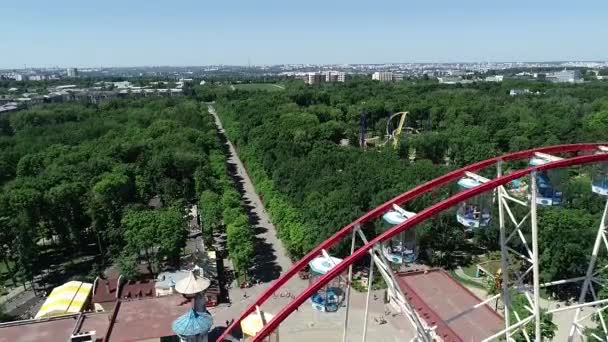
x: 421, y: 216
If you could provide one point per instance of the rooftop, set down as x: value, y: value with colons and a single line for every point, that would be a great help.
x: 148, y: 318
x: 442, y: 301
x: 105, y: 290
x: 54, y: 329
x: 135, y: 320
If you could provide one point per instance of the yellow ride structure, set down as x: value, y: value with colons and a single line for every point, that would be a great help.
x: 392, y: 135
x: 396, y: 134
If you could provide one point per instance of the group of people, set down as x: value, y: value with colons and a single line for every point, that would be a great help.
x: 472, y: 212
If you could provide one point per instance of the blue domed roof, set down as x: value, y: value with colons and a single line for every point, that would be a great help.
x: 192, y: 323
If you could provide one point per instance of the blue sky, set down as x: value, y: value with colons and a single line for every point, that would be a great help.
x: 135, y: 32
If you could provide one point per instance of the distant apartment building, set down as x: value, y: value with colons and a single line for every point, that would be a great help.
x: 331, y: 77
x: 382, y: 76
x: 516, y: 92
x: 315, y: 78
x: 453, y: 80
x: 318, y: 77
x: 495, y: 78
x: 37, y: 78
x: 397, y: 77
x: 335, y: 76
x: 565, y: 76
x: 72, y: 72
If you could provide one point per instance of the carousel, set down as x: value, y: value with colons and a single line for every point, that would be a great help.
x: 194, y: 325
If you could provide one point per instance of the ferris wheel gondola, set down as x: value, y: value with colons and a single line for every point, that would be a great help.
x: 401, y: 248
x: 329, y: 298
x: 475, y: 212
x: 548, y: 191
x: 599, y: 177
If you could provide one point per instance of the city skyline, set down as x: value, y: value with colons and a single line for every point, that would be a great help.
x: 523, y: 64
x: 116, y: 34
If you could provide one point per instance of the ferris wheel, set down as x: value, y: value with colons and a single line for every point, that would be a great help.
x: 505, y: 191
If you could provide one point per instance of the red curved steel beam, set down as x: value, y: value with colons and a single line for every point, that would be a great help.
x: 400, y: 199
x: 416, y: 219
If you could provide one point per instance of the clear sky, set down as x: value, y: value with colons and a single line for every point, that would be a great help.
x: 201, y: 32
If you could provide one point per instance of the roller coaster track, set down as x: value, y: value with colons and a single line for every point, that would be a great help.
x: 576, y: 154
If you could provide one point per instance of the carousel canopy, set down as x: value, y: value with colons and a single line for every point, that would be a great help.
x: 192, y: 284
x: 192, y: 323
x: 253, y: 323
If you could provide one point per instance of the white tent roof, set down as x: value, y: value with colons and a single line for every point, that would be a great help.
x: 192, y: 284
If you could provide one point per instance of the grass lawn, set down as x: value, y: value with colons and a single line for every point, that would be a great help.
x: 3, y: 268
x: 5, y: 277
x: 492, y: 266
x: 470, y: 270
x: 259, y: 86
x: 466, y: 281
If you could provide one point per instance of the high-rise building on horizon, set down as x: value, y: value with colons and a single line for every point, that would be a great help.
x: 72, y: 72
x: 565, y: 76
x: 314, y: 78
x: 335, y: 76
x: 319, y: 77
x: 382, y: 76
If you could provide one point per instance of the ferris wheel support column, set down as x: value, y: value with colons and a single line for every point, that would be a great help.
x: 601, y: 234
x: 383, y: 265
x: 504, y: 252
x: 370, y: 280
x: 348, y: 286
x: 535, y: 268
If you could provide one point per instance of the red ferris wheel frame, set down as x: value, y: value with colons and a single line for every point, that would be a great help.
x: 416, y: 219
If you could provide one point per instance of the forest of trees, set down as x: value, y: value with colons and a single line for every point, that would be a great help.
x: 76, y: 180
x: 313, y: 186
x: 292, y: 144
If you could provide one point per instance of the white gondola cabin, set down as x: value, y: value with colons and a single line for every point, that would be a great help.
x: 329, y: 297
x: 547, y: 181
x: 401, y: 248
x: 599, y: 178
x: 474, y: 212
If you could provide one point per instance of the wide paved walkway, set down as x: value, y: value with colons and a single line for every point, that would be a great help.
x: 271, y: 256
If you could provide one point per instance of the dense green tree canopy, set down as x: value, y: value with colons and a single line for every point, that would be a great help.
x: 313, y: 186
x: 68, y: 171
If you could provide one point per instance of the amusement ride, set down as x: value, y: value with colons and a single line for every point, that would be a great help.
x: 505, y: 191
x: 393, y: 132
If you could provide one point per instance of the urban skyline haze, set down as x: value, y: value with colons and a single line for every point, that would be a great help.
x: 134, y: 33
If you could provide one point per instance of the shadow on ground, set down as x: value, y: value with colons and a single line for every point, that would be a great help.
x: 265, y: 266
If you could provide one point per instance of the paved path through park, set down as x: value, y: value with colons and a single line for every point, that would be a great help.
x: 271, y: 258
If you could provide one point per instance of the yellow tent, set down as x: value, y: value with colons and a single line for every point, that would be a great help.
x: 252, y: 324
x: 66, y: 299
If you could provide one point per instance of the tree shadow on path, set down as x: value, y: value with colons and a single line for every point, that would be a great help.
x: 265, y: 267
